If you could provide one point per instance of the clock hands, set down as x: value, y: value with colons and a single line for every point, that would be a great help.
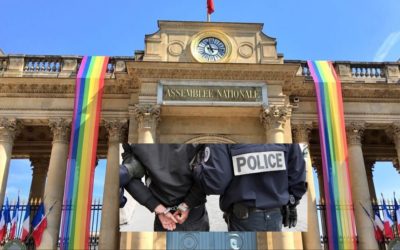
x: 211, y: 49
x: 209, y: 46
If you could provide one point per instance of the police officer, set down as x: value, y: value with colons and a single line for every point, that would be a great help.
x: 169, y: 191
x: 260, y: 184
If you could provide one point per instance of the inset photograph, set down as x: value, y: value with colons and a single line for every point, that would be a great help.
x: 213, y: 187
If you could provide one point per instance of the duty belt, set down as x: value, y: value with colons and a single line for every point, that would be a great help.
x: 258, y: 210
x: 242, y: 211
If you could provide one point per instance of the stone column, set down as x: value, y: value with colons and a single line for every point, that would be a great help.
x: 54, y: 189
x: 9, y: 128
x: 274, y: 118
x: 133, y: 126
x: 147, y: 117
x: 311, y: 238
x: 359, y: 184
x: 40, y: 165
x: 143, y: 121
x: 109, y: 229
x: 369, y: 168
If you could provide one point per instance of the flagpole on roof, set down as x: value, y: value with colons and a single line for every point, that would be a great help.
x: 210, y: 9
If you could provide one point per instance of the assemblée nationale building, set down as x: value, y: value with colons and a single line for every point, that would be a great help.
x: 178, y: 91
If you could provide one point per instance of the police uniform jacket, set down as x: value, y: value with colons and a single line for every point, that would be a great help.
x: 169, y: 180
x: 258, y: 175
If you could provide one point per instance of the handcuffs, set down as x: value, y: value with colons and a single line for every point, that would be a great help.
x: 182, y: 207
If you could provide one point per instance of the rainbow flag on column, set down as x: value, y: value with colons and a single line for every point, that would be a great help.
x: 339, y: 205
x: 75, y: 220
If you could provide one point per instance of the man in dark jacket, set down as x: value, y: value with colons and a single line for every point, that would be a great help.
x: 169, y: 191
x: 260, y: 184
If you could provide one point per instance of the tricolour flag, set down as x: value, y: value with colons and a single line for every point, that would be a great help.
x: 210, y: 6
x: 14, y: 221
x: 4, y: 220
x: 26, y: 223
x: 387, y: 222
x: 3, y: 227
x: 39, y: 224
x: 397, y: 214
x: 6, y: 213
x: 378, y: 228
x: 378, y: 225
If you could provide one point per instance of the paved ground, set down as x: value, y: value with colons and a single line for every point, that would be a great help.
x: 138, y: 218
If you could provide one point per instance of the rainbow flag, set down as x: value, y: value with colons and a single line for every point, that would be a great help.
x: 77, y: 201
x: 339, y: 207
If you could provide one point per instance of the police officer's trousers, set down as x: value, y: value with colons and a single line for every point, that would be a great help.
x: 268, y: 220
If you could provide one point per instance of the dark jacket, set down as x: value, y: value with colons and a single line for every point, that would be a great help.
x: 258, y: 175
x: 168, y: 176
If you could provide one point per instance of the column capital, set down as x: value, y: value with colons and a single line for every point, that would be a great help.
x: 393, y: 131
x: 9, y: 129
x: 301, y: 132
x: 355, y: 132
x: 116, y: 129
x: 396, y: 127
x: 274, y: 117
x: 147, y: 115
x: 61, y: 129
x: 40, y: 164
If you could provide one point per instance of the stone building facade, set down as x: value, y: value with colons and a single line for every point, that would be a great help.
x: 170, y: 93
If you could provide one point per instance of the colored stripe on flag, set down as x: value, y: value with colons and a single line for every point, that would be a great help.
x: 14, y: 220
x: 210, y: 6
x: 39, y: 224
x: 333, y: 142
x: 82, y: 153
x: 26, y: 223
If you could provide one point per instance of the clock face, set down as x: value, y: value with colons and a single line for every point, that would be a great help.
x: 211, y: 49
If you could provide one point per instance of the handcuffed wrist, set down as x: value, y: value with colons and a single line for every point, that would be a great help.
x: 183, y: 207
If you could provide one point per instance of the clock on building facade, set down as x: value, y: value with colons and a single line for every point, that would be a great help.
x: 211, y: 46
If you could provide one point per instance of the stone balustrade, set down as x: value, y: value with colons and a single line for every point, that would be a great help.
x: 42, y: 64
x: 367, y: 70
x: 111, y: 66
x: 53, y: 66
x: 66, y: 66
x: 359, y: 71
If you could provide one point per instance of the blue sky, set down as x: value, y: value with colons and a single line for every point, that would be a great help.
x: 366, y: 30
x: 361, y: 30
x: 386, y: 181
x: 20, y: 178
